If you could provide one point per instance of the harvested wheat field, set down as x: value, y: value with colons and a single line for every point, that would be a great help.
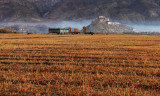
x: 79, y: 65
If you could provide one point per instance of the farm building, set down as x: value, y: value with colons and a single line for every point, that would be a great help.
x: 59, y: 30
x: 69, y: 31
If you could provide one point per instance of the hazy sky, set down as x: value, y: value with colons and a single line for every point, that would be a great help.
x: 80, y: 24
x: 72, y: 24
x: 146, y: 28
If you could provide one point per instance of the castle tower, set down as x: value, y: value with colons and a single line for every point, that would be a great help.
x: 103, y: 19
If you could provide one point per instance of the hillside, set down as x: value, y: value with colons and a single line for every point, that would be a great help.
x: 104, y: 26
x: 18, y: 10
x: 58, y: 10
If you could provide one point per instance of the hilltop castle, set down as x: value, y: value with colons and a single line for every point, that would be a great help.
x: 106, y: 20
x: 105, y: 26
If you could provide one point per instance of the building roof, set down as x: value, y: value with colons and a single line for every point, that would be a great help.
x: 58, y: 28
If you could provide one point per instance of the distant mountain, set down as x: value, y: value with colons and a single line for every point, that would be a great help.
x: 18, y: 10
x: 24, y: 10
x: 126, y: 10
x: 57, y: 10
x: 43, y: 6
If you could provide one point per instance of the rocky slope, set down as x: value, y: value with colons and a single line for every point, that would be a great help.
x: 25, y: 10
x: 18, y: 10
x: 54, y: 10
x: 126, y: 10
x: 105, y: 26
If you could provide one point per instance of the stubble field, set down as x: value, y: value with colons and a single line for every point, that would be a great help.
x: 86, y: 65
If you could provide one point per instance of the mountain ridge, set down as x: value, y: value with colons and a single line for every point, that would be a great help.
x: 59, y: 10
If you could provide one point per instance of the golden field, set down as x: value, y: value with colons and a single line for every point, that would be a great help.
x: 79, y: 65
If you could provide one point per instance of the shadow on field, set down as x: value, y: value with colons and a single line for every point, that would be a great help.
x: 149, y: 87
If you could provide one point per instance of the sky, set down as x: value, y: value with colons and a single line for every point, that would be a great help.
x: 146, y: 28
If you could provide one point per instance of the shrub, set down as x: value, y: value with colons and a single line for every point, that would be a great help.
x: 7, y: 31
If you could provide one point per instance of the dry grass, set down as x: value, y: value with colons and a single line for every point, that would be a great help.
x: 44, y: 64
